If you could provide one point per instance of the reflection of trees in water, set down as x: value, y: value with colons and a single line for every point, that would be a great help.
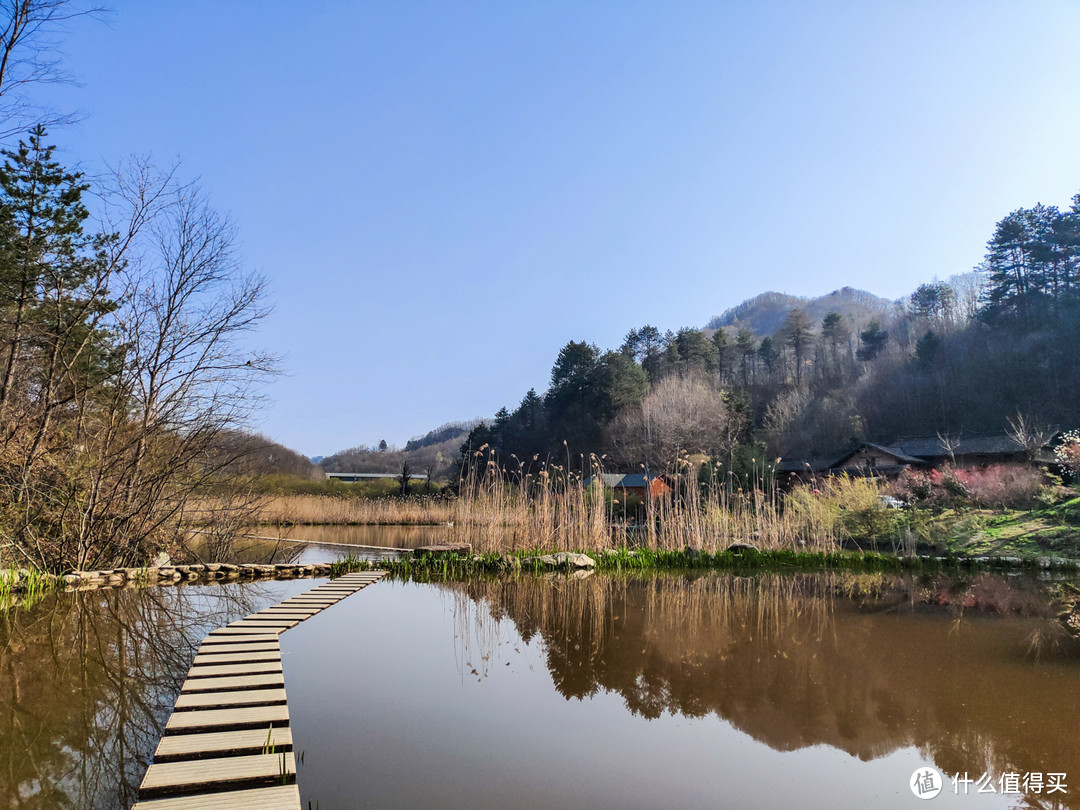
x: 88, y: 680
x: 863, y: 663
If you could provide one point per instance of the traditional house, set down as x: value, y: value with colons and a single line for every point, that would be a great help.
x: 973, y: 451
x: 921, y: 453
x: 632, y: 484
x: 875, y: 460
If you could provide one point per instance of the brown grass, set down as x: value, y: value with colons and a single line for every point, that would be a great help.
x: 553, y: 510
x: 326, y: 510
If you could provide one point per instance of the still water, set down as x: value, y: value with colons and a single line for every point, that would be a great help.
x: 311, y: 544
x: 672, y: 691
x: 658, y: 691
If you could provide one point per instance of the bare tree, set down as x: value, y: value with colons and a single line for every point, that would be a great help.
x: 950, y: 444
x: 1029, y: 433
x: 29, y: 56
x: 682, y: 414
x: 114, y: 466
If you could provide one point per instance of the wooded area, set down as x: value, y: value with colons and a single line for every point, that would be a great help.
x: 125, y: 369
x: 955, y: 358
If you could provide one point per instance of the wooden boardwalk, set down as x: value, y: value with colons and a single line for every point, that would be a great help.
x: 227, y: 745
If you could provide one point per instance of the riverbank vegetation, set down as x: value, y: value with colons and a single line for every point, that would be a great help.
x: 125, y: 366
x: 554, y: 510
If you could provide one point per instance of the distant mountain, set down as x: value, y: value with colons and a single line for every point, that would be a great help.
x: 443, y: 433
x: 764, y: 314
x: 435, y: 453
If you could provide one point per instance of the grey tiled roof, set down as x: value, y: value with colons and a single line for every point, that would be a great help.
x: 990, y: 444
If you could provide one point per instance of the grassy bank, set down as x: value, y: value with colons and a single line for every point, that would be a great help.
x: 623, y: 560
x: 554, y: 514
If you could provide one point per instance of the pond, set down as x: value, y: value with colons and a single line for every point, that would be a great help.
x: 701, y: 690
x: 312, y: 544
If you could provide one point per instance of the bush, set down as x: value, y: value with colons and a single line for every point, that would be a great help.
x: 850, y: 507
x: 1001, y: 486
x: 997, y: 486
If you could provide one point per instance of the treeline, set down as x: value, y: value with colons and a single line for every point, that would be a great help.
x: 958, y: 357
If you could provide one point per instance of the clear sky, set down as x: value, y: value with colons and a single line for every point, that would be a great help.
x: 443, y: 194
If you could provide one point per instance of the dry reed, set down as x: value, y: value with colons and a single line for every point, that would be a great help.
x: 552, y: 509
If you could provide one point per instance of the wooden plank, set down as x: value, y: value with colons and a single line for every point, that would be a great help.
x: 225, y: 719
x: 246, y: 630
x: 231, y: 638
x: 282, y: 797
x: 235, y: 669
x: 222, y: 700
x: 173, y: 778
x: 290, y: 610
x: 223, y: 743
x: 224, y: 649
x: 236, y: 658
x: 244, y: 627
x: 271, y: 616
x: 232, y: 683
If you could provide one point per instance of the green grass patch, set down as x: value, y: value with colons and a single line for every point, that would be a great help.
x: 454, y: 567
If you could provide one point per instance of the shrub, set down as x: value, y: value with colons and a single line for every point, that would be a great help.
x: 1001, y: 486
x: 1068, y: 452
x: 997, y: 486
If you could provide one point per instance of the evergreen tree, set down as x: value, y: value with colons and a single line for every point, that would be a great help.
x: 695, y: 350
x: 53, y: 283
x: 873, y: 339
x: 799, y: 335
x: 836, y: 342
x: 645, y: 345
x: 723, y: 354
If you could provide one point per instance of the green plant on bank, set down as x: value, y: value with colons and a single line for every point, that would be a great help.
x: 428, y: 567
x: 23, y: 587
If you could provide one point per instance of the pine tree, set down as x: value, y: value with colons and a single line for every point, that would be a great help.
x: 53, y: 282
x: 799, y: 335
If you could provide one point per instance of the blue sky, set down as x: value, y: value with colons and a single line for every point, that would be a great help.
x: 443, y: 194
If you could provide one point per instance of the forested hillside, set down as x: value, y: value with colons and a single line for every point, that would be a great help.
x: 781, y: 376
x: 434, y: 454
x: 764, y: 314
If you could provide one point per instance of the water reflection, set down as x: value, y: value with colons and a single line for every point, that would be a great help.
x: 383, y: 536
x: 976, y: 673
x: 88, y: 680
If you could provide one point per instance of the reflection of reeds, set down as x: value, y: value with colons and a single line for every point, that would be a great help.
x: 797, y: 661
x: 679, y: 612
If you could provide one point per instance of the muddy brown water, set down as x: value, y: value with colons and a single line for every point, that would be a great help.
x: 711, y: 690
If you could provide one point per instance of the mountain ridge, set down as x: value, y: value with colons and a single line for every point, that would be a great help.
x: 765, y: 313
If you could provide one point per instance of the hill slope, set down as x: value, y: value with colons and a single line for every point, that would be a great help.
x: 764, y: 314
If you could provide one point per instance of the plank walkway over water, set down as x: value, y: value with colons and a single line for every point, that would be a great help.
x: 227, y: 745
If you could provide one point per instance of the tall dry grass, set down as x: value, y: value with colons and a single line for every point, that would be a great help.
x: 327, y: 509
x: 552, y: 509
